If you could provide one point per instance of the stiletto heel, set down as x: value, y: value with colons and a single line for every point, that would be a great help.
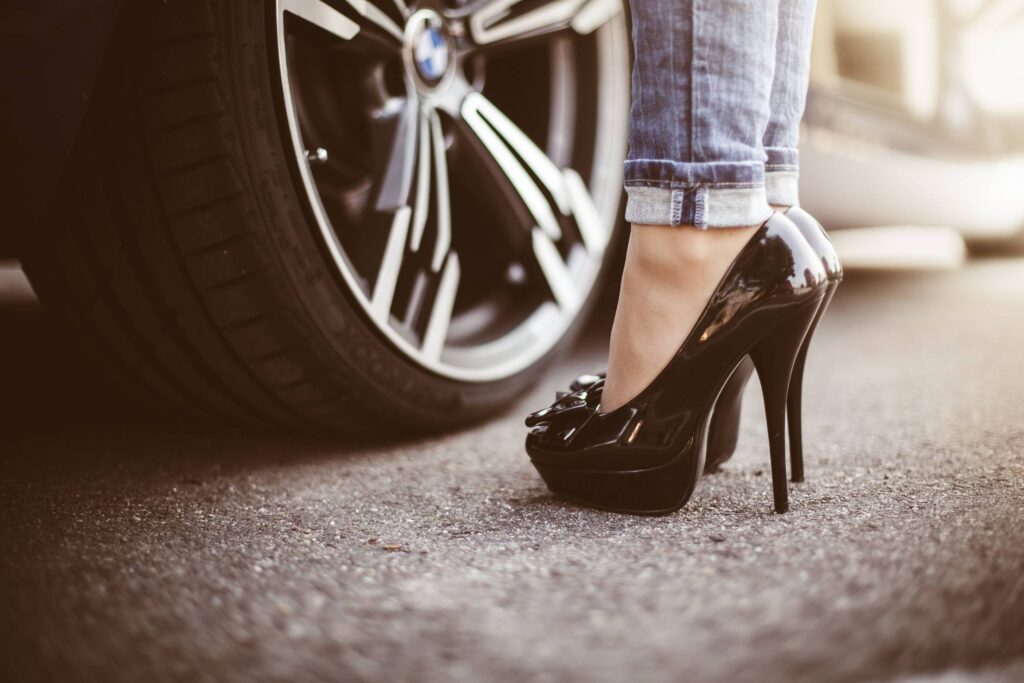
x: 774, y: 357
x: 815, y: 235
x: 793, y: 413
x: 647, y: 456
x: 796, y: 382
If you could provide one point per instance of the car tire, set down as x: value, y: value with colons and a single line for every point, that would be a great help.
x: 184, y: 247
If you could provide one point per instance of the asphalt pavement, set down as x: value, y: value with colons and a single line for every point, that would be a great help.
x: 138, y: 546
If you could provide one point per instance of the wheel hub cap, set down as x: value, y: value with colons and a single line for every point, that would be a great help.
x: 429, y: 46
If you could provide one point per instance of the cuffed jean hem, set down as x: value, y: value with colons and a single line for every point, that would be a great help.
x: 782, y: 175
x: 706, y: 195
x: 703, y: 206
x: 782, y: 187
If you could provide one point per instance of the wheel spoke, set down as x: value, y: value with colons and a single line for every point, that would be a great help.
x: 398, y: 126
x: 419, y: 220
x: 568, y: 192
x: 442, y: 201
x: 595, y: 14
x: 555, y: 271
x: 376, y: 16
x: 592, y: 229
x: 416, y: 169
x: 431, y: 165
x: 361, y: 15
x: 483, y: 118
x: 390, y: 267
x: 441, y: 313
x: 521, y: 160
x: 402, y: 118
x: 494, y: 23
x: 321, y: 14
x: 402, y: 8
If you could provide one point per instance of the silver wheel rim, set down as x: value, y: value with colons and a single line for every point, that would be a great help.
x: 434, y: 118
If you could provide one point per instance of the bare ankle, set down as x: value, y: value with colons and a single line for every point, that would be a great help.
x: 668, y: 250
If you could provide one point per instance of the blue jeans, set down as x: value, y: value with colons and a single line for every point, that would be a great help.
x: 719, y: 87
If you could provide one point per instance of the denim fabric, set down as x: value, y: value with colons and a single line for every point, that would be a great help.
x: 706, y: 76
x: 789, y: 95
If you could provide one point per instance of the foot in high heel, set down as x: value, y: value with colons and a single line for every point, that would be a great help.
x: 724, y: 430
x: 647, y: 456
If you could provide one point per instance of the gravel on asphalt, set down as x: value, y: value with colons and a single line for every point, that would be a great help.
x: 139, y: 547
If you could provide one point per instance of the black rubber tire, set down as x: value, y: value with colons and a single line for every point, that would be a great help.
x: 178, y: 248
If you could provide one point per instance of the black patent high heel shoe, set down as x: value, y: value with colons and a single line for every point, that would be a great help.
x: 723, y: 433
x: 647, y: 456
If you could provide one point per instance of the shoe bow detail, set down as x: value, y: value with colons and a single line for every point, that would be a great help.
x: 568, y: 407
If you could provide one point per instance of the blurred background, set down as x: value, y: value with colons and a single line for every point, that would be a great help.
x: 916, y: 118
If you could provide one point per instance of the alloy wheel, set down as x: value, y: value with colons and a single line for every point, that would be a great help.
x: 462, y: 162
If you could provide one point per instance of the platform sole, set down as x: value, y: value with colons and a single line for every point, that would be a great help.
x: 653, y: 491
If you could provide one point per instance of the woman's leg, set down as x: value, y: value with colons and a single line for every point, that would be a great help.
x: 788, y: 97
x: 702, y: 81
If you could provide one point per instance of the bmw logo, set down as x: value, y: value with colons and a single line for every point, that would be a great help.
x: 430, y: 52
